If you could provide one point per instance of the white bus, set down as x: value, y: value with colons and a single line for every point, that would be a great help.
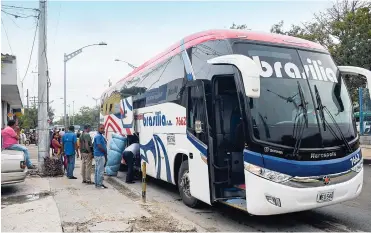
x: 261, y: 122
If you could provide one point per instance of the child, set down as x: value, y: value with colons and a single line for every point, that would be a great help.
x: 78, y: 145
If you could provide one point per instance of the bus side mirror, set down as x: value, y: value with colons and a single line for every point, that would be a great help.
x: 353, y: 70
x: 249, y: 70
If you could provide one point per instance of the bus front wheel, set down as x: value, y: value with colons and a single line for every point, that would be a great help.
x: 184, y: 186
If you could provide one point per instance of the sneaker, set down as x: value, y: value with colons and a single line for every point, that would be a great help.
x: 84, y: 181
x: 72, y: 178
x: 103, y: 186
x: 32, y: 167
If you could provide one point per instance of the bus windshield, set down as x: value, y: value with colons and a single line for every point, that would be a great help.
x: 288, y: 76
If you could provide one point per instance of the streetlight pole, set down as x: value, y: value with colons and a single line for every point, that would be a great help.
x: 73, y: 112
x: 68, y: 57
x: 69, y: 114
x: 96, y: 105
x: 131, y: 65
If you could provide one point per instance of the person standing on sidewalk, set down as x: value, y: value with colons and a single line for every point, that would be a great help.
x: 100, y: 152
x: 86, y: 155
x: 69, y: 146
x: 10, y: 142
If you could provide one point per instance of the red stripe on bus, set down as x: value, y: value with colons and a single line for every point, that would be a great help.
x: 204, y: 36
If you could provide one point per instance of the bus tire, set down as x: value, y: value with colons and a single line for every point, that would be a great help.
x: 183, y: 186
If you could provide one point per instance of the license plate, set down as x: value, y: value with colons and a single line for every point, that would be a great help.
x: 325, y: 196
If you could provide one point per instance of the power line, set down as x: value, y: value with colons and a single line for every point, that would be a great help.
x: 19, y: 7
x: 7, y: 38
x: 18, y: 16
x: 13, y: 21
x: 11, y: 18
x: 33, y: 44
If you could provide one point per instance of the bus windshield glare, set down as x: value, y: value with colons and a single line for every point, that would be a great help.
x: 288, y: 76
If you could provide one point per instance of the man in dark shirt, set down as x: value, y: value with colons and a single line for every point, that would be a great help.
x: 86, y: 155
x: 69, y: 145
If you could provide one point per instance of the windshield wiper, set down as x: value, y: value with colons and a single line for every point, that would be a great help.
x: 289, y: 99
x: 321, y: 108
x: 299, y: 124
x: 266, y: 128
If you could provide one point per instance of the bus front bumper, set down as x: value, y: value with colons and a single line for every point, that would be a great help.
x: 265, y: 197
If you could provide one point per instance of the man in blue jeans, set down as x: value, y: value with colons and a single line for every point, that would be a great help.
x: 69, y: 145
x: 100, y: 152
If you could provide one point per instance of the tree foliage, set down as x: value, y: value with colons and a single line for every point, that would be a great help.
x: 345, y: 30
x: 86, y: 115
x: 29, y: 119
x: 240, y: 26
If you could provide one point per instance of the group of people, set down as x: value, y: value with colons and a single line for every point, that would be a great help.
x: 70, y: 144
x: 67, y: 146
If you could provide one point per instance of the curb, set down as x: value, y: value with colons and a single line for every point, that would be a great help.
x: 115, y: 180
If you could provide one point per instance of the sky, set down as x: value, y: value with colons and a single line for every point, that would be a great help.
x: 133, y: 31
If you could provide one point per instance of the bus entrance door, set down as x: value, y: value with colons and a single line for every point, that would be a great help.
x: 198, y: 136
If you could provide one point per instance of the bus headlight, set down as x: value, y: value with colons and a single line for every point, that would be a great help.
x: 358, y: 167
x: 267, y: 174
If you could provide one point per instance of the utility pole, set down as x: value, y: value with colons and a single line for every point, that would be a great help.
x: 42, y: 115
x: 28, y: 103
x: 96, y: 105
x: 69, y: 115
x: 73, y: 112
x: 47, y: 94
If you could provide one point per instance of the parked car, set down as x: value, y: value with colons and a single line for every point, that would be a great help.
x: 13, y: 167
x: 366, y: 126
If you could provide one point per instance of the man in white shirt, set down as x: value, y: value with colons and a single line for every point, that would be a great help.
x: 129, y: 153
x: 61, y: 133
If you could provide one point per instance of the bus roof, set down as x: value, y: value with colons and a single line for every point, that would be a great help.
x: 200, y: 37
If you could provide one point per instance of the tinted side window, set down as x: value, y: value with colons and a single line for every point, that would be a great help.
x: 161, y: 84
x: 197, y: 111
x: 205, y: 51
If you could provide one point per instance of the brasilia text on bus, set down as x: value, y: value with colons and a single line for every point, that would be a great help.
x: 314, y: 70
x: 156, y: 120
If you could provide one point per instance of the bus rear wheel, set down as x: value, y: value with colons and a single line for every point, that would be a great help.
x: 184, y: 186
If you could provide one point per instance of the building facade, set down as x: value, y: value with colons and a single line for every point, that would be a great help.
x: 11, y: 90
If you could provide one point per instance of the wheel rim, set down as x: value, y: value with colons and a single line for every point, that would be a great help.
x: 184, y: 184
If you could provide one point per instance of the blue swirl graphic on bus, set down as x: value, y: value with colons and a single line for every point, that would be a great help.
x: 156, y: 120
x: 156, y: 147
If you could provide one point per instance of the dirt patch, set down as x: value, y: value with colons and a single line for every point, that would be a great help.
x: 159, y: 220
x: 72, y: 190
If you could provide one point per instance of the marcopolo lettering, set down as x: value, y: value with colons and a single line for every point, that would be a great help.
x: 156, y: 120
x: 314, y: 70
x: 322, y: 155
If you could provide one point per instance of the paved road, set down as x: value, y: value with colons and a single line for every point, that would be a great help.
x: 349, y: 216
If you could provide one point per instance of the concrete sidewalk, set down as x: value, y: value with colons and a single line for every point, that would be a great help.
x: 56, y: 204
